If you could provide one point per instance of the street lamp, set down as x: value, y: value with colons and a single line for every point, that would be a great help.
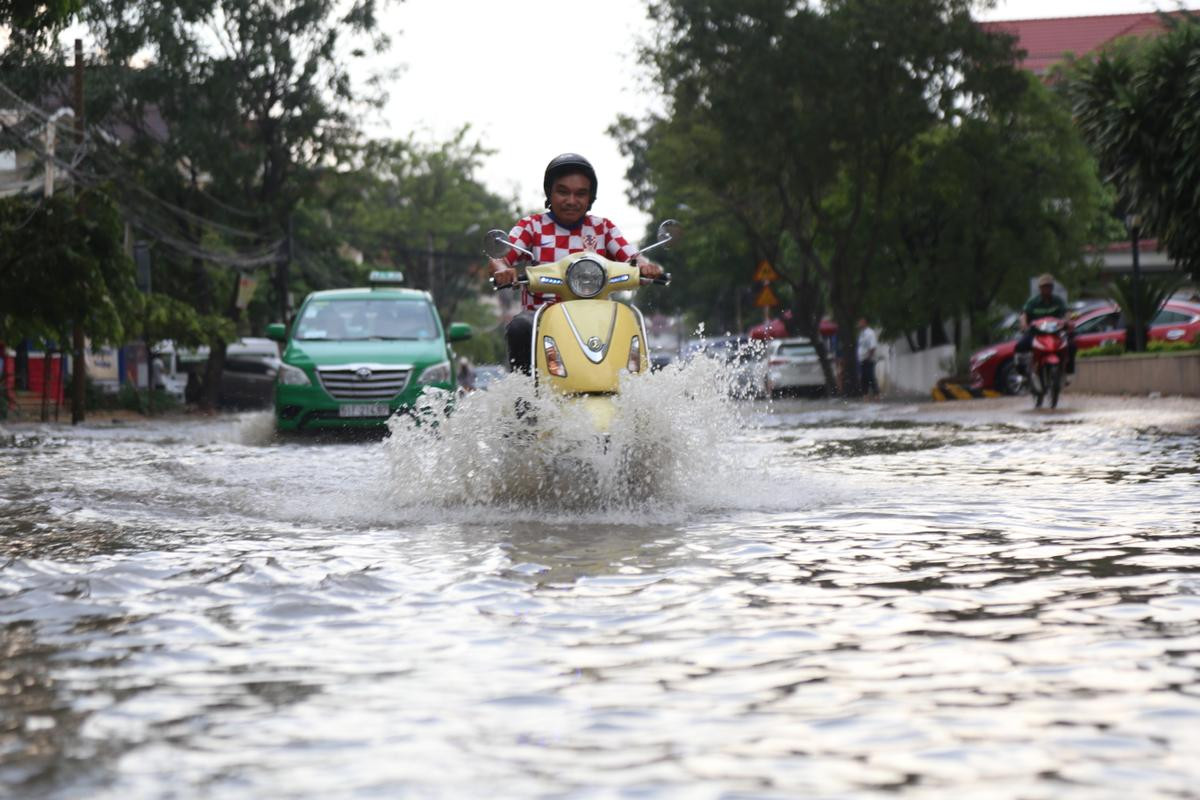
x: 1134, y: 223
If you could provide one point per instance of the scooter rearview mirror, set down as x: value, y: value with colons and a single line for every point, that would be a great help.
x: 669, y: 231
x: 495, y: 243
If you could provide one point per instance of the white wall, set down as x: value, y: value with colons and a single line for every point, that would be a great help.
x: 900, y: 372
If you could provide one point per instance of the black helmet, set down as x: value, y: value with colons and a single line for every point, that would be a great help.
x: 566, y: 164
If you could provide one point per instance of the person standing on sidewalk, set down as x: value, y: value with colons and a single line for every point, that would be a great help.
x: 868, y: 342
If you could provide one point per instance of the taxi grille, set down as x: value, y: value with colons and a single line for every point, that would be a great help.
x: 363, y: 383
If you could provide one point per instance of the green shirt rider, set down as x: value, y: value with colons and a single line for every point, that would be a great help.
x: 1043, y: 304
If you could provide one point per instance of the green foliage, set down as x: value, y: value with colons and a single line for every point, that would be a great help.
x: 63, y: 261
x: 128, y: 398
x: 486, y: 346
x: 421, y: 209
x: 791, y: 133
x: 1109, y: 349
x: 982, y: 205
x: 36, y: 19
x: 1162, y: 346
x: 164, y: 317
x: 1138, y: 106
x: 1140, y: 300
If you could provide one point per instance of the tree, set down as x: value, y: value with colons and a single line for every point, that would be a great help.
x: 63, y: 262
x: 36, y: 19
x: 421, y: 209
x: 228, y: 112
x: 804, y: 116
x: 1138, y: 106
x: 981, y: 206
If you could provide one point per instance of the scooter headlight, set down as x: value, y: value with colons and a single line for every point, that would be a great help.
x: 585, y: 278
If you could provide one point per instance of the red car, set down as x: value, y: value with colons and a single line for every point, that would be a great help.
x: 1178, y: 320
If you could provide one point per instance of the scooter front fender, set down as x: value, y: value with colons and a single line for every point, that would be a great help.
x: 593, y: 339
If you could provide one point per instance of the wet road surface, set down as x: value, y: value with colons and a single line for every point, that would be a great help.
x: 795, y: 599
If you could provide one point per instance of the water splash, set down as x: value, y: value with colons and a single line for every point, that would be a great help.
x: 670, y: 446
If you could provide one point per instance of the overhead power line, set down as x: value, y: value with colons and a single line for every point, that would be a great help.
x: 96, y: 160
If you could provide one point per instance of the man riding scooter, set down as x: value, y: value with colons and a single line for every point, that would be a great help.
x: 570, y: 186
x: 1043, y: 304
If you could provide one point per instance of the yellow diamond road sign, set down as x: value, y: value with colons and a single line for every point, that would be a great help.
x: 765, y: 272
x: 766, y: 298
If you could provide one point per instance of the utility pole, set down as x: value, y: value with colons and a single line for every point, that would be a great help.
x: 79, y: 372
x: 283, y: 273
x: 430, y: 240
x: 1139, y: 327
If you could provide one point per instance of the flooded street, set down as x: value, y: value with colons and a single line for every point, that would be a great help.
x: 796, y: 599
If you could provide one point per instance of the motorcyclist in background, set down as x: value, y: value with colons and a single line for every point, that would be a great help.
x: 566, y: 228
x: 1043, y: 304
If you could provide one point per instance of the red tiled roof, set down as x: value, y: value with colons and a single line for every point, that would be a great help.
x: 1045, y: 41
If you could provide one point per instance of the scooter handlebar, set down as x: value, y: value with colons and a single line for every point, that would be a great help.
x: 665, y: 280
x: 513, y: 285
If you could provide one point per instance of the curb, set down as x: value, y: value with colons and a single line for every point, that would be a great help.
x: 945, y: 390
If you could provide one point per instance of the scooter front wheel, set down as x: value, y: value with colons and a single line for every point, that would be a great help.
x: 1054, y: 382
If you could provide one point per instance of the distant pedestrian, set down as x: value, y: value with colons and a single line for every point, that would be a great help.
x: 466, y: 375
x: 868, y: 343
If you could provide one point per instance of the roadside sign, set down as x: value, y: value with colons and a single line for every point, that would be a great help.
x: 766, y: 272
x: 766, y: 298
x: 246, y: 287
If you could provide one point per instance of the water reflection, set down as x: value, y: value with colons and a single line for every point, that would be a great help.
x: 853, y: 602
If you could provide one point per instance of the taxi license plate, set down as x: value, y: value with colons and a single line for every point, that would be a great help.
x: 364, y: 410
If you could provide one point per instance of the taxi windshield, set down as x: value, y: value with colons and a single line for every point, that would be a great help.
x: 360, y: 320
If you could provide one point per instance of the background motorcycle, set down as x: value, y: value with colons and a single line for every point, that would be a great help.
x: 1048, y: 358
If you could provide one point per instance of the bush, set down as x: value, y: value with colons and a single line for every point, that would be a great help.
x: 134, y: 399
x: 127, y: 398
x: 1160, y: 346
x: 1109, y: 349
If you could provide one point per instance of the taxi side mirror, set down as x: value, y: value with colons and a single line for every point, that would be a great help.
x: 459, y: 331
x: 277, y: 331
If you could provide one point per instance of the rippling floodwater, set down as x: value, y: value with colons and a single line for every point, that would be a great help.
x: 837, y: 601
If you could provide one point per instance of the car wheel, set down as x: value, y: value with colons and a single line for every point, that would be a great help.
x: 1008, y: 380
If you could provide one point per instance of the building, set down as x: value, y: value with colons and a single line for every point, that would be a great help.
x: 1047, y: 42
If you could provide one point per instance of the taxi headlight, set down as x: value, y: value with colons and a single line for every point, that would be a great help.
x: 585, y: 278
x: 293, y: 376
x: 435, y: 373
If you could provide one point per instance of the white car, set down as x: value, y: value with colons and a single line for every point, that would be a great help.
x: 793, y: 365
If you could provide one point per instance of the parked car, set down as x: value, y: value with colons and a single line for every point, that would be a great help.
x: 1178, y: 320
x: 353, y: 357
x: 487, y: 374
x: 793, y: 365
x: 248, y: 380
x: 744, y: 356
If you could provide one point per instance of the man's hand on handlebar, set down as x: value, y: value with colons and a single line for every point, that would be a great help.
x: 649, y: 269
x: 502, y: 273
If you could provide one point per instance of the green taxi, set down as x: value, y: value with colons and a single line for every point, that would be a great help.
x: 354, y: 357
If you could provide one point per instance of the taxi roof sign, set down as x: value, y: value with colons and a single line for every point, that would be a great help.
x: 386, y: 277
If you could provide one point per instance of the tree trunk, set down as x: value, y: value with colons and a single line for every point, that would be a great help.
x: 216, y: 357
x: 78, y: 373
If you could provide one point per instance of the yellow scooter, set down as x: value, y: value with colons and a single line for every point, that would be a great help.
x: 583, y: 344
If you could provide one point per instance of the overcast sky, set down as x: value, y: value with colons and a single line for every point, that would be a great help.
x: 538, y: 78
x: 535, y: 79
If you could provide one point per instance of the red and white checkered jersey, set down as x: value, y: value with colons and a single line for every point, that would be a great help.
x: 550, y: 241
